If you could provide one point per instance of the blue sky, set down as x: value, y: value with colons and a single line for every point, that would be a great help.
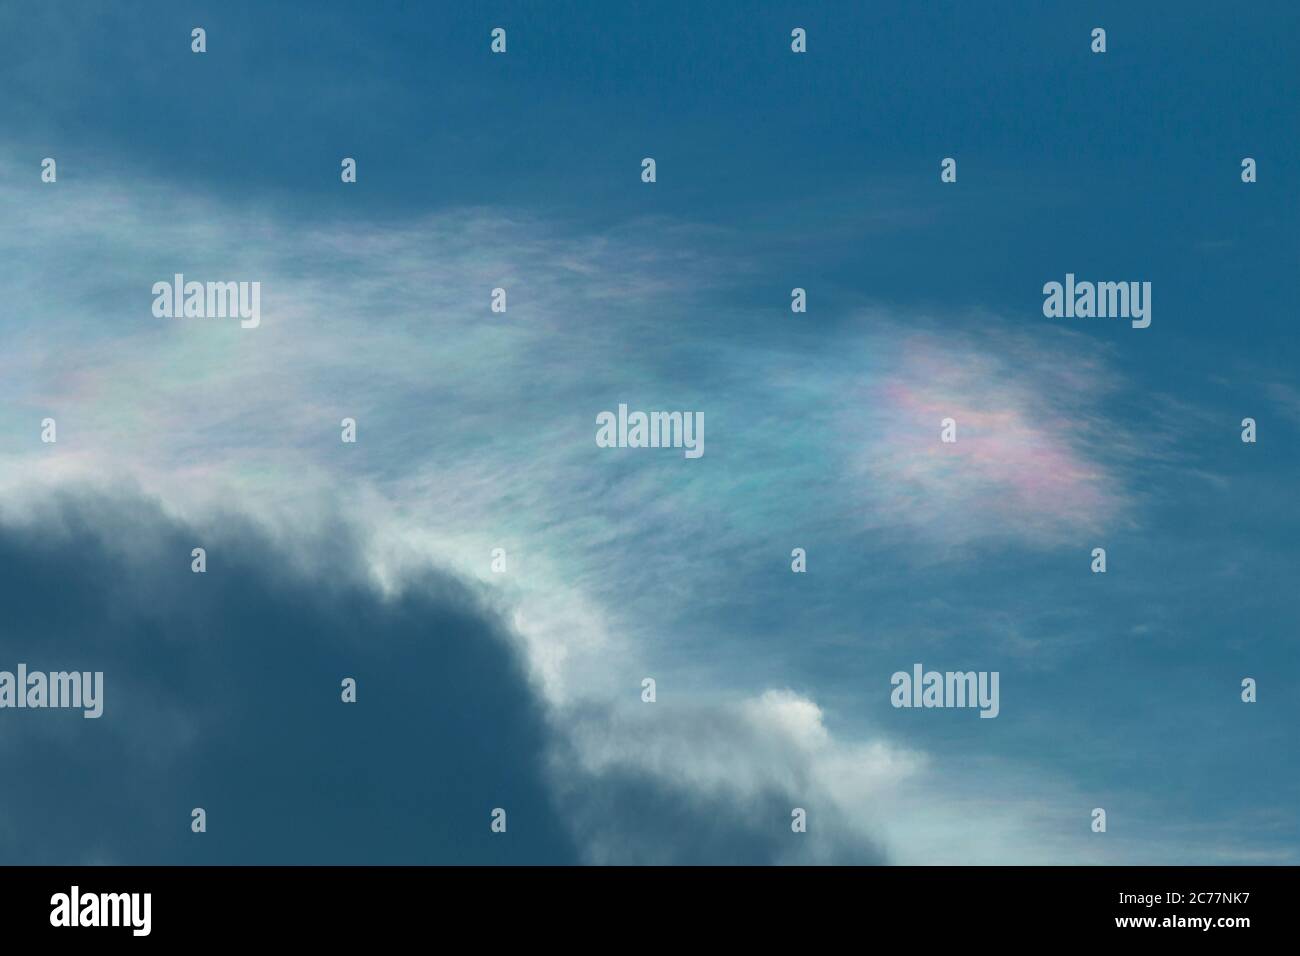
x: 476, y: 431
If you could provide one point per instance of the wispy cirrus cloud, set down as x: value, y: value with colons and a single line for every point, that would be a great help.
x: 477, y: 431
x: 1033, y: 458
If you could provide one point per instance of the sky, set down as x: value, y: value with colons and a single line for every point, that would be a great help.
x: 476, y: 430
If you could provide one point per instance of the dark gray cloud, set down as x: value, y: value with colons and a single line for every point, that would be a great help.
x: 222, y: 691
